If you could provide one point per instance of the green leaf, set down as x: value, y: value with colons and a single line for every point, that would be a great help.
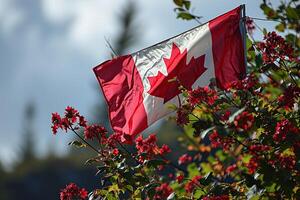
x: 268, y: 11
x: 280, y: 27
x: 137, y: 195
x: 91, y: 161
x: 129, y: 187
x: 251, y: 55
x: 189, y: 130
x: 271, y: 188
x: 185, y: 15
x: 258, y: 60
x: 171, y: 106
x: 114, y: 188
x: 207, y: 179
x: 206, y: 168
x: 259, y: 131
x: 198, y: 194
x: 265, y: 31
x: 292, y: 13
x: 187, y: 4
x: 154, y: 163
x: 150, y: 189
x: 248, y: 43
x: 178, y: 2
x: 110, y: 196
x: 221, y: 155
x: 293, y: 39
x: 77, y: 144
x: 179, y: 9
x: 193, y: 170
x: 274, y: 91
x: 99, y: 192
x: 246, y: 158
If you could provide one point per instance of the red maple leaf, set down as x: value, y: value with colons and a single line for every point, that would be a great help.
x: 179, y: 73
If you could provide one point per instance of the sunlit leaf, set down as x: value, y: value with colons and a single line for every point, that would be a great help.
x: 178, y: 2
x: 205, y: 132
x: 280, y: 27
x: 91, y: 161
x: 187, y: 4
x: 207, y: 179
x: 292, y: 13
x: 185, y: 15
x: 193, y: 170
x: 77, y: 144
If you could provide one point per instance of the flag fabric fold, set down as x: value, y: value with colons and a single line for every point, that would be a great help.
x: 139, y: 86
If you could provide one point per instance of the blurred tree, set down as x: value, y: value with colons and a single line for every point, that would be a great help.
x: 168, y: 133
x: 128, y: 35
x: 126, y: 38
x: 2, y: 178
x: 34, y: 178
x: 27, y: 152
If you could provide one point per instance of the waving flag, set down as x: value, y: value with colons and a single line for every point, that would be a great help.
x: 138, y: 87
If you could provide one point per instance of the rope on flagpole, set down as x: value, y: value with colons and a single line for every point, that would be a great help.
x: 111, y: 48
x: 262, y: 19
x: 259, y: 28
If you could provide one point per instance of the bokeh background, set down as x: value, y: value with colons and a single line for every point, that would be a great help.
x: 47, y: 51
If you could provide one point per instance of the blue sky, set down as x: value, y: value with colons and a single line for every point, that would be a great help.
x: 49, y: 47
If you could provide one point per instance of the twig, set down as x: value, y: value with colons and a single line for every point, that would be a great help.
x: 174, y: 165
x: 228, y: 98
x: 126, y: 150
x: 190, y: 139
x: 87, y: 143
x: 197, y: 20
x: 286, y: 68
x: 111, y: 48
x: 195, y: 116
x: 261, y: 19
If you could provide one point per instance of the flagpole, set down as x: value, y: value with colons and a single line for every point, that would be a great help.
x: 243, y: 32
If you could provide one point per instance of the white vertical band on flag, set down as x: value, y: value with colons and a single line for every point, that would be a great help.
x: 150, y: 61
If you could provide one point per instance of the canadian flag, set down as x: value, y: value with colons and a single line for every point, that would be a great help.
x: 138, y: 87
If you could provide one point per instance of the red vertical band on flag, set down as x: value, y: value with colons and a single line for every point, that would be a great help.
x: 227, y: 47
x: 123, y: 90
